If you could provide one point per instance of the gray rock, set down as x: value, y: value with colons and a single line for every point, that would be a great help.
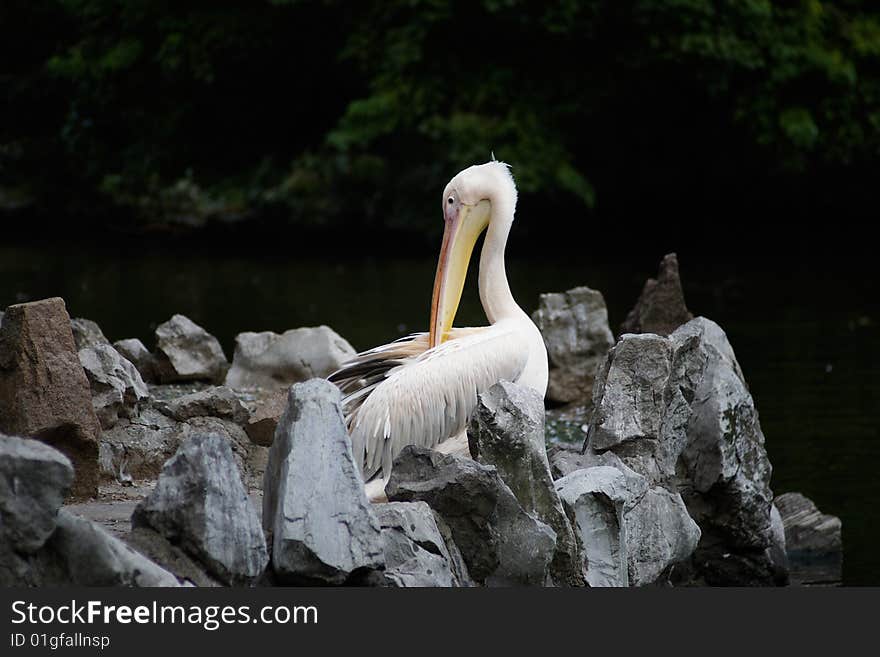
x: 136, y: 352
x: 501, y: 543
x: 660, y: 534
x: 219, y: 402
x: 507, y: 431
x: 415, y: 551
x: 34, y: 480
x: 186, y: 352
x: 631, y: 534
x: 812, y: 541
x: 270, y: 360
x: 661, y: 308
x: 575, y: 329
x: 808, y: 530
x: 200, y: 504
x: 677, y: 411
x: 87, y: 333
x: 44, y: 393
x: 594, y: 499
x: 117, y: 386
x: 89, y: 556
x: 263, y: 421
x: 316, y: 515
x: 137, y: 448
x: 172, y: 558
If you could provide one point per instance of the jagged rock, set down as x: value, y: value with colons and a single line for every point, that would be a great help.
x: 575, y: 329
x: 630, y: 533
x: 500, y: 542
x: 808, y: 530
x: 89, y: 556
x: 677, y: 411
x: 270, y: 360
x: 172, y: 558
x: 136, y: 352
x: 34, y: 480
x: 661, y: 308
x: 117, y: 386
x: 137, y: 448
x: 86, y: 333
x: 316, y: 515
x: 200, y: 504
x: 44, y: 393
x: 507, y: 431
x: 415, y: 551
x: 263, y: 421
x: 660, y: 534
x: 219, y: 402
x: 594, y: 499
x: 187, y: 352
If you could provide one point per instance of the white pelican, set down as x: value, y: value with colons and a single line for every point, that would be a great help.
x: 422, y: 389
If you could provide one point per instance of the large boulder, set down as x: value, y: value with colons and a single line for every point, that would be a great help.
x: 264, y: 419
x: 87, y: 333
x: 808, y: 530
x: 576, y: 333
x: 81, y: 553
x: 137, y: 448
x: 677, y: 411
x: 270, y: 360
x: 500, y: 542
x: 594, y: 499
x: 507, y: 431
x: 416, y: 553
x: 43, y: 545
x: 137, y: 353
x: 661, y: 308
x: 34, y: 480
x: 811, y: 539
x: 631, y: 533
x: 200, y: 504
x: 44, y: 393
x: 187, y: 352
x: 321, y: 528
x: 219, y: 402
x: 117, y: 386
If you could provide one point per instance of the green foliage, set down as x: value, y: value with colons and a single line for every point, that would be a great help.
x: 328, y: 109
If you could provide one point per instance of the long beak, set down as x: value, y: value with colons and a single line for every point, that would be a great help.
x: 463, y: 227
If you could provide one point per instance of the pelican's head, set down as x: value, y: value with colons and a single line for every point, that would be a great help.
x: 468, y: 203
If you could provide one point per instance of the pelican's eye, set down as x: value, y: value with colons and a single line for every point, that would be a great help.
x: 450, y: 200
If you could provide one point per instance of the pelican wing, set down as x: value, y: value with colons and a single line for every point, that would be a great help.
x: 406, y: 394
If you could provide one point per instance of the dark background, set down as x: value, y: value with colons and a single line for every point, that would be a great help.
x: 748, y: 124
x: 269, y: 164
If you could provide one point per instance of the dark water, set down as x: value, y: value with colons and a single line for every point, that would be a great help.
x: 806, y: 333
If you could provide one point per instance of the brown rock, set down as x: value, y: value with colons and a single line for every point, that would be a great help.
x: 261, y: 426
x: 661, y: 308
x: 44, y: 393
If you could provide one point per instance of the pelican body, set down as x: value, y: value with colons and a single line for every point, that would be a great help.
x: 422, y: 389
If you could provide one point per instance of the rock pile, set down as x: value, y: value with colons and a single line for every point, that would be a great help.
x: 671, y: 487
